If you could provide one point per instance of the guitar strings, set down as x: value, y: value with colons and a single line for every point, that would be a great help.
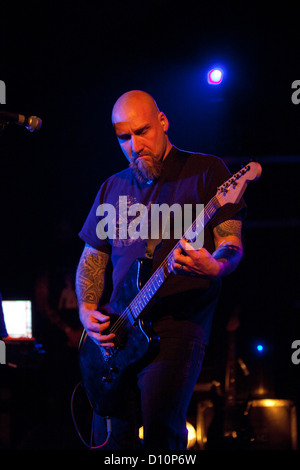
x: 209, y: 210
x: 164, y: 266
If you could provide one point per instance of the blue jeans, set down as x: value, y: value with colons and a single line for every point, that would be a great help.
x: 161, y: 394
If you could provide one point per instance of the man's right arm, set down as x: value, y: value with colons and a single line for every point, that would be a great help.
x: 89, y: 289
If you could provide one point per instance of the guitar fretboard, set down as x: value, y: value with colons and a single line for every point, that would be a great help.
x: 146, y: 294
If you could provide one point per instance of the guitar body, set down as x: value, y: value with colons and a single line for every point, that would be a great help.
x: 104, y: 370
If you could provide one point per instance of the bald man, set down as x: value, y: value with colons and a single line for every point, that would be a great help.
x: 159, y: 393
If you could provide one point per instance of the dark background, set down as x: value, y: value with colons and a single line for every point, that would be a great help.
x: 67, y: 62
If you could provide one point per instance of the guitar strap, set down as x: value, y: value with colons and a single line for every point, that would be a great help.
x: 166, y: 195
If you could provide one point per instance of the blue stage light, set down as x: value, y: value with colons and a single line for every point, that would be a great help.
x: 215, y: 76
x: 260, y: 348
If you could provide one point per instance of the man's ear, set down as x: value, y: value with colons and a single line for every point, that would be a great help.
x: 163, y: 121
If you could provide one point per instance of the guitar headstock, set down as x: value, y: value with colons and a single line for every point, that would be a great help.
x: 233, y: 189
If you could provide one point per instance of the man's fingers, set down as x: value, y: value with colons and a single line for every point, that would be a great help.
x: 186, y: 246
x: 97, y: 327
x: 98, y: 339
x: 180, y: 259
x: 102, y: 340
x: 100, y: 316
x: 97, y: 324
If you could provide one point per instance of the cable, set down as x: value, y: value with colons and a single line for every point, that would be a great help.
x: 108, y: 424
x: 108, y: 427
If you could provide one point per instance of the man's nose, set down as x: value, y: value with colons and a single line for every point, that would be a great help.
x: 136, y: 144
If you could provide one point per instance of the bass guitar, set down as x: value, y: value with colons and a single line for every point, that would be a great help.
x: 104, y: 370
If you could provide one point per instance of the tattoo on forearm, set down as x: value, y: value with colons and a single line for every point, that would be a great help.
x: 229, y: 227
x: 90, y: 276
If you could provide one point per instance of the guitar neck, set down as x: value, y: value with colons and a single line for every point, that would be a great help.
x: 146, y: 294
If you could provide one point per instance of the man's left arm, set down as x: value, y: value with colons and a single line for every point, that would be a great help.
x: 223, y: 261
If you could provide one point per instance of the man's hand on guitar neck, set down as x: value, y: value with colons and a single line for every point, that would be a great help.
x: 192, y: 262
x: 199, y: 262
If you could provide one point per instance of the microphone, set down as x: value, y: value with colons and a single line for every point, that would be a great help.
x: 32, y: 123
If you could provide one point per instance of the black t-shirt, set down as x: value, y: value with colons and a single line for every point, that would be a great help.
x: 187, y: 179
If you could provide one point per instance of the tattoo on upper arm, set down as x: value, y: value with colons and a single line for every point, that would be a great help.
x: 229, y: 227
x: 90, y: 275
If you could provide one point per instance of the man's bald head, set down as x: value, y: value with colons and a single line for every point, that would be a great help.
x: 134, y: 101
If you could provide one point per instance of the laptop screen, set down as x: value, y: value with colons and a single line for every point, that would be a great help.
x: 18, y: 318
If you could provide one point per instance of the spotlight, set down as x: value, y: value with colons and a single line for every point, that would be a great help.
x: 215, y: 76
x: 260, y: 348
